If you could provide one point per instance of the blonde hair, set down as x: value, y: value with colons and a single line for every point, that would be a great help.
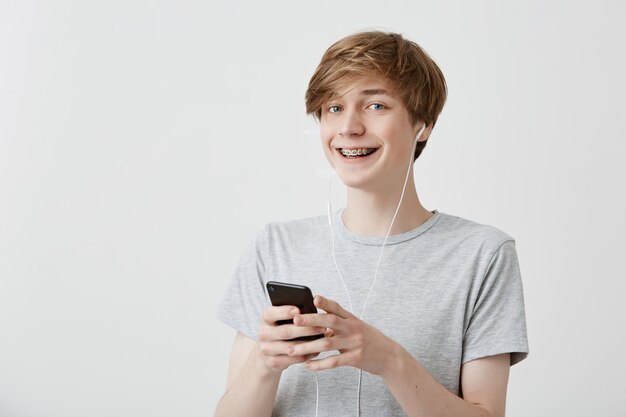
x: 418, y: 80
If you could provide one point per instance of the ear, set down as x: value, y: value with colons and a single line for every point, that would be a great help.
x: 426, y: 133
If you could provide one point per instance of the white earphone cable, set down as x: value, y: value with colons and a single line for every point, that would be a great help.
x: 317, y: 393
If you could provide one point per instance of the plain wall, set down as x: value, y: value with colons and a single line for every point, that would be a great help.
x: 142, y: 144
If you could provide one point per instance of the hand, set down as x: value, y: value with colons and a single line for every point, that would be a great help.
x: 359, y: 344
x: 274, y: 340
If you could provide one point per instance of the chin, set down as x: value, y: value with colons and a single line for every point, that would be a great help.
x: 359, y: 181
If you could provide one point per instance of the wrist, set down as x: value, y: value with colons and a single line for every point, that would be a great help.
x: 263, y: 369
x: 397, y: 362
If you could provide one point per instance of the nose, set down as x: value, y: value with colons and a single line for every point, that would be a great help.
x: 351, y: 123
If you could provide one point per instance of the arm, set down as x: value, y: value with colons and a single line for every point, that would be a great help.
x: 251, y: 385
x: 255, y: 368
x: 483, y: 381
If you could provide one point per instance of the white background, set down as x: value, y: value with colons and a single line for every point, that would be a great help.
x: 142, y: 144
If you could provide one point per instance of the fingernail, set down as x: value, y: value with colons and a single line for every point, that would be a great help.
x: 320, y: 329
x: 293, y: 312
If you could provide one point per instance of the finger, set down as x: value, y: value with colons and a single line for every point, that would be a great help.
x: 323, y: 344
x: 331, y: 306
x: 290, y: 331
x: 275, y: 313
x: 281, y: 347
x: 327, y: 320
x: 283, y: 361
x: 330, y: 362
x: 275, y: 348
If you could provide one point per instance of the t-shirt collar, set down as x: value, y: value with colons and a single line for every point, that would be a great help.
x: 341, y: 228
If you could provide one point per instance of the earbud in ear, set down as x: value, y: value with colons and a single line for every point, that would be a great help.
x: 419, y: 134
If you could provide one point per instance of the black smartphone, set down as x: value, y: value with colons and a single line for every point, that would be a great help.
x: 282, y: 293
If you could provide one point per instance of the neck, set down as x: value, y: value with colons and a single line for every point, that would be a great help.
x: 369, y: 213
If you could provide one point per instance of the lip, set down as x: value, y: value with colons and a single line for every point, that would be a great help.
x: 356, y: 147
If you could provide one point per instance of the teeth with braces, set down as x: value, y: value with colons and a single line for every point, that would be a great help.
x: 356, y: 152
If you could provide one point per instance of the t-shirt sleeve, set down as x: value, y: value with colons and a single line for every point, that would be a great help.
x: 245, y: 297
x: 498, y: 321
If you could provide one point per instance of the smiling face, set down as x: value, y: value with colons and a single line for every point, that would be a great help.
x: 368, y: 135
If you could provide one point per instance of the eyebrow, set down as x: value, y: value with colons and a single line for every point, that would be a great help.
x: 374, y: 92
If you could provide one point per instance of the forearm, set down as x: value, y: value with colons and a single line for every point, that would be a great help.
x: 253, y: 392
x: 419, y: 394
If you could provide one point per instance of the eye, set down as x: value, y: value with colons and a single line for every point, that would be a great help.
x: 334, y: 109
x: 377, y: 106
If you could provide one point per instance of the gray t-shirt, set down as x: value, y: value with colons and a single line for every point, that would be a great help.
x: 449, y: 291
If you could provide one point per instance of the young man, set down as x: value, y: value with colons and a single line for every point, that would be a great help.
x: 427, y: 306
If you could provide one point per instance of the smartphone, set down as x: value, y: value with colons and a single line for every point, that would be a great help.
x: 282, y: 293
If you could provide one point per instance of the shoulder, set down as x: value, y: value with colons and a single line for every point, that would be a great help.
x: 296, y: 232
x: 275, y: 239
x: 293, y: 227
x: 470, y: 234
x: 307, y: 224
